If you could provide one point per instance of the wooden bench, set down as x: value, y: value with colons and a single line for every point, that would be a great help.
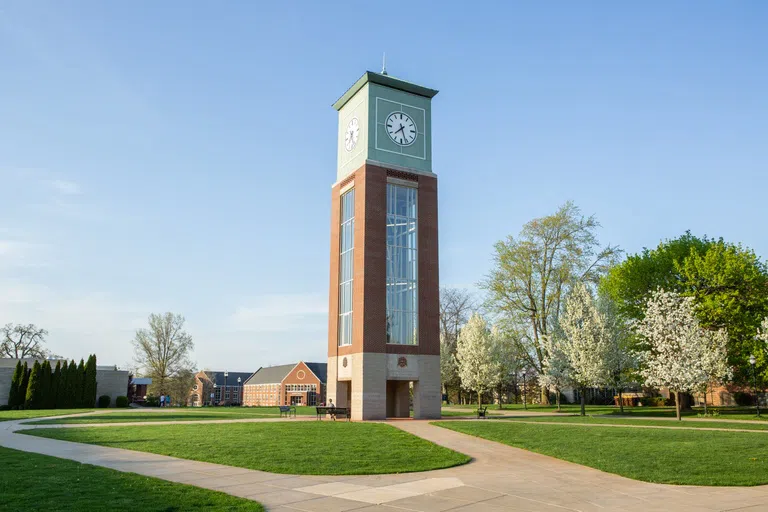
x: 482, y: 412
x: 333, y: 412
x: 287, y: 410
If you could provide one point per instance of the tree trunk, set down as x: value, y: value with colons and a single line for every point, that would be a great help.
x: 678, y: 406
x: 621, y: 403
x: 705, y: 401
x: 525, y: 402
x: 544, y: 395
x: 459, y: 395
x: 557, y: 398
x: 583, y: 402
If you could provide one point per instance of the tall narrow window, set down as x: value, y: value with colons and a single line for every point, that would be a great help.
x: 346, y: 250
x: 402, y: 265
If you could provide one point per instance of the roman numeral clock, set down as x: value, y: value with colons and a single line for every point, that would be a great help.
x: 383, y: 326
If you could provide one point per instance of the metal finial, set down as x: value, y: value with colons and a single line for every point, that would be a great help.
x: 384, y: 64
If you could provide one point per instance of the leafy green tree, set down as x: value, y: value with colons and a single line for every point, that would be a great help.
x: 32, y: 400
x: 89, y: 383
x: 80, y: 385
x: 24, y: 385
x: 45, y: 384
x: 14, y: 396
x: 62, y: 383
x: 55, y: 383
x: 728, y: 284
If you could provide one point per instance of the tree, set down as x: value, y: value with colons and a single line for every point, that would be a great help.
x: 179, y: 385
x: 621, y: 359
x: 728, y: 284
x: 24, y: 385
x: 455, y: 309
x: 533, y: 273
x: 507, y: 359
x: 62, y: 385
x: 475, y: 357
x: 585, y: 342
x: 55, y: 383
x: 45, y: 384
x: 79, y: 386
x: 32, y: 400
x: 72, y: 383
x: 22, y: 341
x: 449, y: 370
x: 677, y: 345
x: 714, y: 361
x: 89, y: 382
x: 15, y: 398
x: 163, y: 349
x: 556, y: 367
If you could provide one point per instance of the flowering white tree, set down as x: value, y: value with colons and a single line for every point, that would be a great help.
x: 555, y: 368
x: 584, y: 343
x: 677, y: 356
x: 507, y: 359
x: 621, y: 359
x: 714, y: 360
x: 475, y: 357
x: 762, y: 332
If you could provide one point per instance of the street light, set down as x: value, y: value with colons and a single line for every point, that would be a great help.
x: 240, y: 392
x: 752, y: 362
x: 214, y: 393
x: 226, y: 373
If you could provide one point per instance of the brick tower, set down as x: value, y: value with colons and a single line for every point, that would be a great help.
x: 383, y: 327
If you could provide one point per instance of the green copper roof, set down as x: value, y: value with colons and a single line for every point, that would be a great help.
x: 386, y: 80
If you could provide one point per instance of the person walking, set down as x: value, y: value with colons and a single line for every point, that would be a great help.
x: 162, y: 400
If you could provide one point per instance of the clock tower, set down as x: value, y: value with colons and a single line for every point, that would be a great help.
x: 383, y: 326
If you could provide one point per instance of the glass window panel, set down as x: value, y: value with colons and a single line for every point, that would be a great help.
x: 402, y: 265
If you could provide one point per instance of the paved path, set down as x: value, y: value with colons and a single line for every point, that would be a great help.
x: 499, y: 478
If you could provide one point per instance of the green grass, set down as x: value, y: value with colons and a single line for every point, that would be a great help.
x: 22, y: 415
x: 29, y: 481
x: 730, y: 413
x: 307, y: 448
x: 180, y: 414
x: 690, y: 457
x: 613, y: 420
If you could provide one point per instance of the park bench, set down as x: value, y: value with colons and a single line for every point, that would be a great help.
x: 333, y: 412
x: 287, y: 410
x: 482, y: 412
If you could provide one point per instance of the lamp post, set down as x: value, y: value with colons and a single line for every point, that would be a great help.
x: 239, y: 391
x: 214, y: 393
x: 752, y: 362
x: 226, y: 374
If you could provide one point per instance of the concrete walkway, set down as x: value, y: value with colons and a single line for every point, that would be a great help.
x: 499, y: 478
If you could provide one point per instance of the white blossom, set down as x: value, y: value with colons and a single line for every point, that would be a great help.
x: 762, y: 332
x: 475, y: 356
x: 556, y: 367
x: 681, y: 355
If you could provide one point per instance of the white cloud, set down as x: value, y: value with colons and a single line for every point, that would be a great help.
x: 298, y: 312
x: 67, y: 188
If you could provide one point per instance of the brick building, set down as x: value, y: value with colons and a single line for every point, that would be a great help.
x: 217, y: 388
x: 289, y: 384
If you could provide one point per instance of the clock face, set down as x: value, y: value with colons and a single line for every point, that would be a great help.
x: 352, y: 134
x: 401, y: 129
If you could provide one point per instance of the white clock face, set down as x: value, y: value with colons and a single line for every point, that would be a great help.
x: 401, y: 129
x: 352, y: 134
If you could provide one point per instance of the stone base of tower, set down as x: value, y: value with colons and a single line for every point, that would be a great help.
x: 376, y: 386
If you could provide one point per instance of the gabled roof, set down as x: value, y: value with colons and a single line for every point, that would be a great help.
x: 271, y: 374
x: 320, y: 370
x: 218, y: 377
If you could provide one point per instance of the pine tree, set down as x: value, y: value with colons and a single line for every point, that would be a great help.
x: 89, y: 383
x: 61, y: 386
x: 14, y: 396
x: 54, y: 389
x: 24, y: 385
x: 72, y: 384
x: 33, y: 389
x: 45, y: 384
x: 80, y: 385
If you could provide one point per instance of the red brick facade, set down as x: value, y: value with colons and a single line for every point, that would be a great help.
x: 369, y: 333
x: 298, y: 385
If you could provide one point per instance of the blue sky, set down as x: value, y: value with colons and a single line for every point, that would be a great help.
x: 179, y: 157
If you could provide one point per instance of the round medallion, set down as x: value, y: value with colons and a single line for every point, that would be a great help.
x: 344, y: 362
x: 402, y: 362
x: 300, y: 374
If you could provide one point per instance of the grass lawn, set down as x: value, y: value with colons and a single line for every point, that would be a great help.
x: 22, y: 415
x: 306, y: 448
x: 691, y: 457
x: 30, y: 481
x: 618, y: 420
x: 180, y: 414
x: 730, y: 413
